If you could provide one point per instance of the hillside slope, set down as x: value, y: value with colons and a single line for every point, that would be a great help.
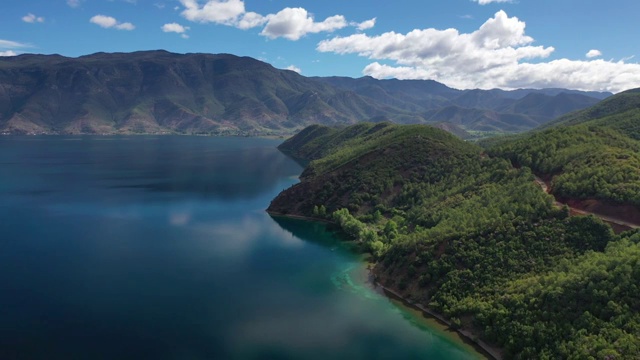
x: 591, y: 158
x: 473, y: 239
x: 619, y: 104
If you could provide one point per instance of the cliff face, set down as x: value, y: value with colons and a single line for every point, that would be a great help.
x: 157, y: 91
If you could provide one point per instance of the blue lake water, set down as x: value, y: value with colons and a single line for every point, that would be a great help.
x: 159, y: 248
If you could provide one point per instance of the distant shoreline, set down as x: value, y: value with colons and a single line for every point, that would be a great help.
x: 299, y: 217
x: 263, y: 136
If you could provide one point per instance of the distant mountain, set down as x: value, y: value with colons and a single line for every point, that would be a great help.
x: 479, y: 110
x: 162, y: 92
x: 481, y: 119
x: 624, y: 105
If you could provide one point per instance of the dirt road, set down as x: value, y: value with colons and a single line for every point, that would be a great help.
x: 616, y: 223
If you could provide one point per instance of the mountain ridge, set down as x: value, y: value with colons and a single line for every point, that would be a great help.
x: 162, y: 92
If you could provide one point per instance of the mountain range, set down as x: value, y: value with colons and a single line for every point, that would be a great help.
x: 223, y: 94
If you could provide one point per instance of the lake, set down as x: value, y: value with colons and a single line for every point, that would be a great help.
x: 160, y: 248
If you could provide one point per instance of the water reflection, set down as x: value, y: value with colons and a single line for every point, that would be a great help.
x: 217, y: 168
x: 95, y: 264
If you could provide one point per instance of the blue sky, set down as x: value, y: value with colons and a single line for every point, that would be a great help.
x: 587, y: 45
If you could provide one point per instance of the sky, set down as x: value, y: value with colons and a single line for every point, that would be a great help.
x: 465, y: 44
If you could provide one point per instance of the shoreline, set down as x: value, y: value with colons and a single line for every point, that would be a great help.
x: 466, y: 336
x: 299, y: 217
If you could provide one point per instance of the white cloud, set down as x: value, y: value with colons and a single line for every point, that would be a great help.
x: 8, y: 44
x: 215, y: 11
x: 294, y: 68
x: 288, y: 23
x: 125, y: 26
x: 104, y: 21
x: 31, y: 18
x: 7, y: 47
x: 250, y: 20
x: 494, y: 56
x: 294, y: 23
x: 74, y: 3
x: 175, y: 27
x: 108, y: 22
x: 485, y: 2
x: 367, y: 24
x: 593, y: 53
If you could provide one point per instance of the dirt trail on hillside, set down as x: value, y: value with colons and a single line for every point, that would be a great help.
x: 618, y: 225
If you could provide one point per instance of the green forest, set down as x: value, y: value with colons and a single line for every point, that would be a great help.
x: 586, y: 156
x: 467, y: 231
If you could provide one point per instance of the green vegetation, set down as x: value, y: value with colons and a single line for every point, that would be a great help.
x: 587, y: 157
x: 615, y: 105
x: 476, y: 239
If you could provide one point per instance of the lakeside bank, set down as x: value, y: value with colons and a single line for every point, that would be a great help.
x: 462, y: 337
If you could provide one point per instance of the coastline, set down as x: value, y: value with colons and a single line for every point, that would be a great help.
x: 485, y: 349
x: 299, y: 217
x: 466, y: 336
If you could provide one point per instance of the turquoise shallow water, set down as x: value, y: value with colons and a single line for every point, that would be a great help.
x: 159, y: 248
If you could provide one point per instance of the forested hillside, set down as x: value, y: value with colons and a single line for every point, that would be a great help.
x: 473, y: 238
x: 592, y: 154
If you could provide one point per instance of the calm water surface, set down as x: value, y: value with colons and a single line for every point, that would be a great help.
x: 159, y: 248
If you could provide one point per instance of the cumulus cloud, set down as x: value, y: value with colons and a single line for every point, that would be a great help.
x: 593, y: 53
x: 367, y: 24
x: 288, y: 23
x: 176, y: 28
x: 494, y: 56
x: 294, y: 68
x: 8, y: 53
x: 485, y: 2
x: 250, y: 20
x: 108, y: 22
x: 224, y: 12
x: 125, y: 26
x: 31, y: 18
x: 73, y: 3
x: 293, y: 23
